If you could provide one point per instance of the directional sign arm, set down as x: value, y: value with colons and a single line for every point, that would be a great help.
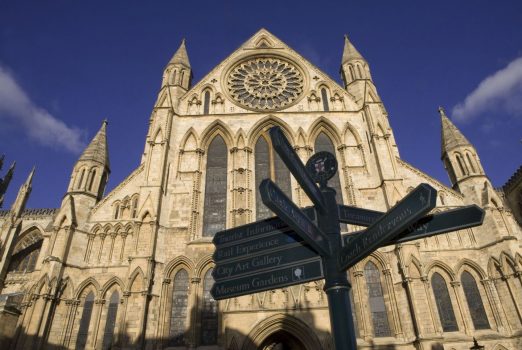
x: 296, y: 167
x: 358, y: 216
x: 402, y: 215
x: 434, y: 224
x: 286, y: 210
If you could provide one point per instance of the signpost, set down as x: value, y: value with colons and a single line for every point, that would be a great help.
x: 305, y: 244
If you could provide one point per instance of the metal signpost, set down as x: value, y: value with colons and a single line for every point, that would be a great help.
x: 305, y: 244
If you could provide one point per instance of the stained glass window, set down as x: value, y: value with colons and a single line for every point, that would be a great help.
x: 24, y: 261
x: 268, y: 165
x: 324, y: 97
x: 215, y: 208
x: 444, y: 306
x: 209, y: 315
x: 476, y: 307
x: 381, y: 327
x: 324, y: 144
x: 110, y: 324
x: 178, y: 315
x: 85, y: 321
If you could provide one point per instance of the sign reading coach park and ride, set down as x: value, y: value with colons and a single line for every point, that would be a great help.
x: 305, y: 244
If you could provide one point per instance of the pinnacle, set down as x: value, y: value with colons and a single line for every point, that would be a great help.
x: 97, y: 150
x: 451, y: 135
x: 181, y: 56
x: 350, y: 52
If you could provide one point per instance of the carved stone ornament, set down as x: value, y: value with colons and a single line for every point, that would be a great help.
x: 265, y: 83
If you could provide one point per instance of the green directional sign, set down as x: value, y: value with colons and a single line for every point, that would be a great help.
x: 435, y: 224
x: 358, y: 216
x: 287, y: 211
x: 269, y: 260
x: 405, y: 213
x: 296, y: 167
x: 298, y: 273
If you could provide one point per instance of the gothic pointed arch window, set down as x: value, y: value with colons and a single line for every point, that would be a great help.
x: 206, y: 102
x: 110, y: 323
x: 324, y: 97
x: 470, y: 163
x: 268, y: 165
x: 209, y: 312
x: 173, y: 80
x: 178, y: 314
x: 85, y: 321
x: 215, y: 205
x: 182, y: 75
x: 462, y: 166
x: 135, y: 207
x: 475, y: 305
x: 91, y: 181
x: 79, y: 185
x: 379, y: 316
x: 25, y: 254
x: 444, y: 305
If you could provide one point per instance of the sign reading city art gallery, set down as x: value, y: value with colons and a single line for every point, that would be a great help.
x: 269, y: 260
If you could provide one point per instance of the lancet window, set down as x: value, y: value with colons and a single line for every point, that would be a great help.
x: 110, y: 323
x: 206, y: 102
x: 379, y: 316
x: 209, y: 312
x: 324, y: 97
x: 443, y: 301
x: 85, y: 321
x: 324, y: 144
x: 215, y: 205
x: 268, y: 165
x: 476, y: 307
x: 178, y: 315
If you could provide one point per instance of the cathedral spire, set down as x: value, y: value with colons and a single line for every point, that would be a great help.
x: 97, y: 150
x: 23, y: 194
x: 350, y: 53
x: 451, y: 136
x: 181, y: 55
x: 4, y: 182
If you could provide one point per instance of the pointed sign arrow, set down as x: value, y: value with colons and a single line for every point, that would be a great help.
x: 402, y: 215
x: 294, y: 217
x: 296, y: 167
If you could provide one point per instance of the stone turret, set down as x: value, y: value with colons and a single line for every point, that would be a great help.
x: 178, y: 73
x: 355, y: 70
x: 91, y: 171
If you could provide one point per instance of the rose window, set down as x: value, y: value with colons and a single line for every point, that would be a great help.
x: 265, y: 83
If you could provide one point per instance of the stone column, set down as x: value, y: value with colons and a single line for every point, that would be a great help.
x: 494, y: 302
x: 397, y: 327
x: 194, y: 321
x: 96, y: 325
x: 435, y: 321
x: 357, y: 283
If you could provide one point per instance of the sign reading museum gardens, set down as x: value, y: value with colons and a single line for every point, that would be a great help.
x: 305, y: 244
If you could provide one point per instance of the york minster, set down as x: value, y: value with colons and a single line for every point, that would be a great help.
x: 131, y: 268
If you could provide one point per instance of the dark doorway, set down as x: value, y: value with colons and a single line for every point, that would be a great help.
x: 282, y: 340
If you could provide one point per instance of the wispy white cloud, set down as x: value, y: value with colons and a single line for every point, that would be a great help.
x: 17, y: 109
x: 500, y: 92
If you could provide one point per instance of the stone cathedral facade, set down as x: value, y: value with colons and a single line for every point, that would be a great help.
x: 130, y: 269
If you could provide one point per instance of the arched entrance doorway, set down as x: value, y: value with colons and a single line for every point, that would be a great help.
x: 282, y: 341
x: 282, y: 332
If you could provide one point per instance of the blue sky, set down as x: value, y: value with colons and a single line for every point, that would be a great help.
x: 67, y: 65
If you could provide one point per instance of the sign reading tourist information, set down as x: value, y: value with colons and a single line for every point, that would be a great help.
x: 278, y: 202
x: 296, y: 167
x: 434, y: 224
x: 405, y: 213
